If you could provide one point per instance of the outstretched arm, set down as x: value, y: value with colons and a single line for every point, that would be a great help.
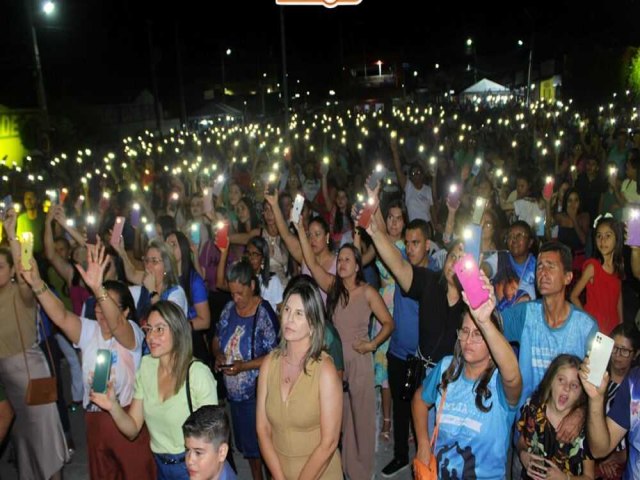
x: 325, y: 279
x: 289, y: 239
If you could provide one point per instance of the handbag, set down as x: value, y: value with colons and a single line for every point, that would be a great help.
x: 413, y: 376
x: 422, y: 471
x: 40, y: 391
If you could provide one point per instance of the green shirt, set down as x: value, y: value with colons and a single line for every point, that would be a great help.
x: 164, y: 419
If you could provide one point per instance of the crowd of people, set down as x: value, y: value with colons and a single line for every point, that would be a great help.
x: 288, y: 279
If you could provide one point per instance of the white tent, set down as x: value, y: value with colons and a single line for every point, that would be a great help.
x: 485, y: 86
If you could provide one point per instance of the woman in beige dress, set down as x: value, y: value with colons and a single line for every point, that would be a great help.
x: 299, y: 407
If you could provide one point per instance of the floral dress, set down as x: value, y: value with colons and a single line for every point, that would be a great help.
x: 540, y: 438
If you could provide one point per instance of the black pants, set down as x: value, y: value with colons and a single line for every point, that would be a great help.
x: 401, y: 408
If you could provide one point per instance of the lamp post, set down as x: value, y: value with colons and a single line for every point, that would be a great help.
x: 48, y: 8
x: 379, y: 63
x: 471, y: 50
x: 521, y: 44
x: 223, y: 53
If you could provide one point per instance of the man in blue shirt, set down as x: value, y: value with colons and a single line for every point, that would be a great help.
x: 404, y: 342
x: 547, y: 327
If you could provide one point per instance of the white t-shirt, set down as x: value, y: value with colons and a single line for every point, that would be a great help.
x: 527, y: 210
x: 273, y: 293
x: 124, y: 362
x: 418, y: 202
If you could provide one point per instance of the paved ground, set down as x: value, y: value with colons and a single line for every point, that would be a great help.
x: 78, y: 468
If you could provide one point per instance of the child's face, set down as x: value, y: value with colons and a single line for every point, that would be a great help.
x: 566, y: 389
x: 203, y: 460
x: 605, y: 239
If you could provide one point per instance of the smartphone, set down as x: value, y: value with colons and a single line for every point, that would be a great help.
x: 194, y: 233
x: 217, y: 185
x: 477, y: 165
x: 599, y: 356
x: 366, y: 211
x: 207, y: 201
x: 26, y: 249
x: 134, y: 218
x: 102, y: 371
x: 547, y: 190
x: 63, y: 195
x: 378, y: 174
x: 79, y: 202
x: 296, y: 211
x: 472, y: 236
x: 5, y: 204
x: 478, y: 210
x: 633, y: 227
x: 150, y: 230
x: 225, y: 365
x: 116, y: 233
x: 222, y: 235
x: 453, y: 198
x: 468, y: 274
x: 539, y: 223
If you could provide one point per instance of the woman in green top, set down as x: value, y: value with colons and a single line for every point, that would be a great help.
x: 161, y: 399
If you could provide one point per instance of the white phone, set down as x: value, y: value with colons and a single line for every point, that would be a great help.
x: 478, y: 210
x: 296, y: 211
x: 599, y: 355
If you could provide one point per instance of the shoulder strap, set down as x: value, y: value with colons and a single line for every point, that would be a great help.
x: 434, y: 437
x: 46, y: 341
x: 188, y: 388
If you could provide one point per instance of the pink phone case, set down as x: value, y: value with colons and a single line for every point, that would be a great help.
x: 547, y: 190
x: 116, y: 233
x: 468, y: 274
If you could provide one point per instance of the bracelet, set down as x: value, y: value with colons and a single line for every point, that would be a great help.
x: 103, y: 294
x: 41, y: 290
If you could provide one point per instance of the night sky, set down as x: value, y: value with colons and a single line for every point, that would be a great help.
x: 97, y: 51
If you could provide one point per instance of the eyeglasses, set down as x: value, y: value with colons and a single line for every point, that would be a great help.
x: 516, y: 237
x: 151, y: 260
x: 465, y: 333
x: 623, y: 352
x: 158, y: 330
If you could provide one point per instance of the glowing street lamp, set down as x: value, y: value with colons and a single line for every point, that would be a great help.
x: 379, y: 63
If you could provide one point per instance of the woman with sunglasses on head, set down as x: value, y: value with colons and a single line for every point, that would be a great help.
x: 110, y: 454
x: 160, y: 276
x: 476, y: 393
x: 170, y: 385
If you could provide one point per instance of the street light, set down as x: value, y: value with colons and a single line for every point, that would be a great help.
x: 379, y: 63
x: 48, y: 8
x: 521, y: 43
x: 471, y: 50
x: 222, y: 54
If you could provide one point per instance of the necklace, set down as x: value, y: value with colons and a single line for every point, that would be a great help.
x: 290, y: 374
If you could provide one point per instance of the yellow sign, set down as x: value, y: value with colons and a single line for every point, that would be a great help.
x: 11, y: 149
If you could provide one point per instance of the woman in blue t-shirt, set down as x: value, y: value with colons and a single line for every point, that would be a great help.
x: 195, y: 290
x: 481, y: 385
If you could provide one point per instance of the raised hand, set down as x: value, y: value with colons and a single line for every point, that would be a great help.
x: 590, y: 389
x: 482, y: 314
x: 271, y: 199
x: 97, y: 261
x: 10, y: 223
x: 32, y: 277
x: 106, y: 401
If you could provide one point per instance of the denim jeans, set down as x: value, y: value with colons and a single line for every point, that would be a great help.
x: 171, y: 471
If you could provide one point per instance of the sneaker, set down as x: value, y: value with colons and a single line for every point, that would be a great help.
x: 393, y: 467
